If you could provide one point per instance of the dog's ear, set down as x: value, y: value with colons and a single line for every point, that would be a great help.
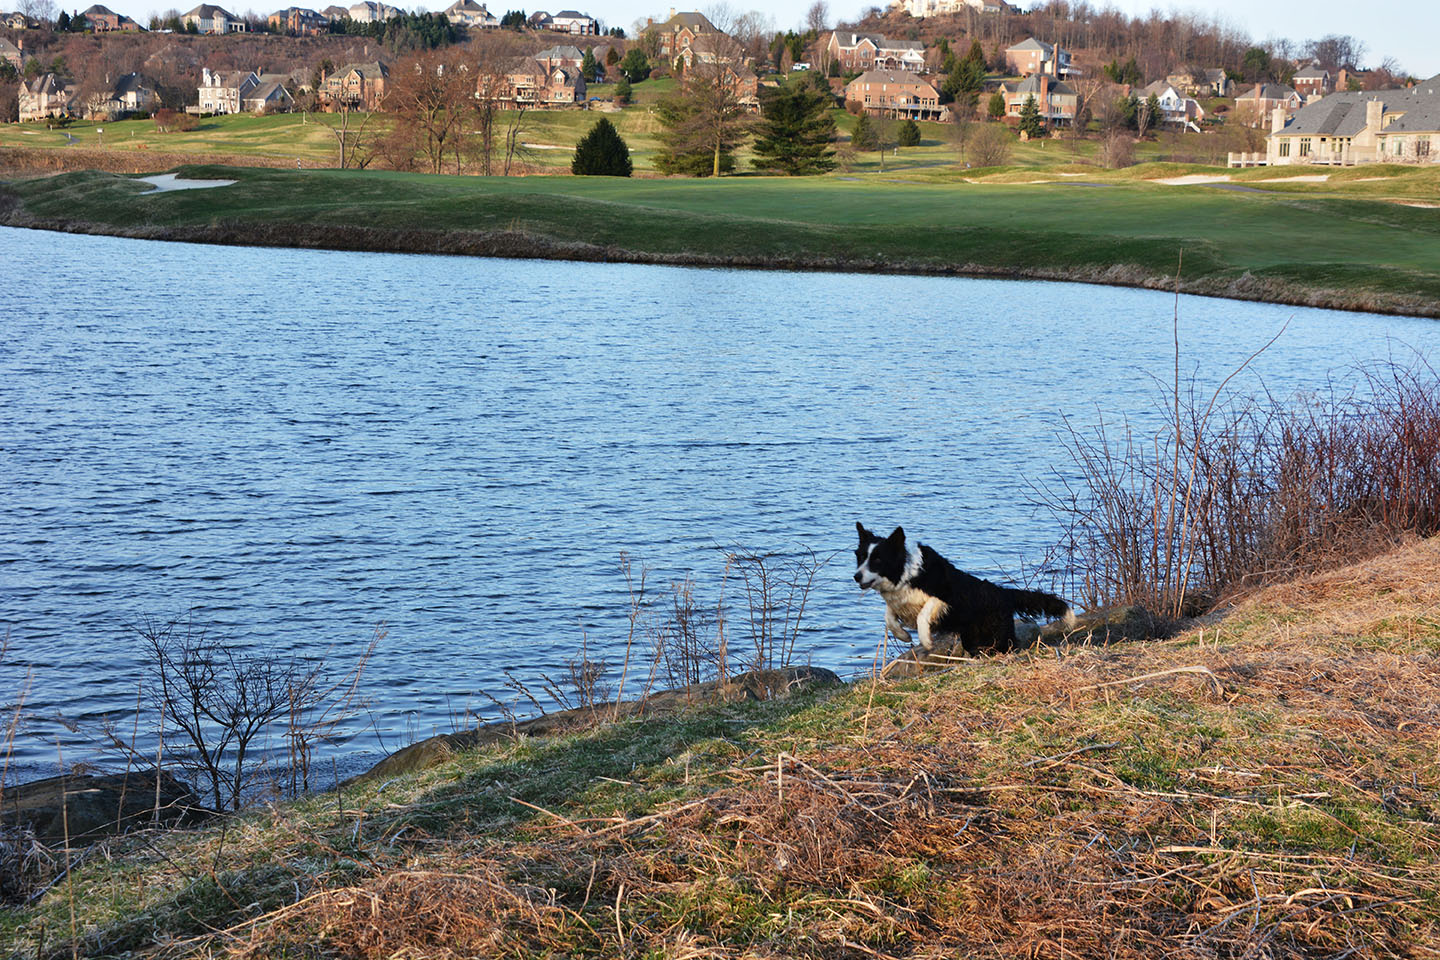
x: 898, y: 535
x: 860, y: 528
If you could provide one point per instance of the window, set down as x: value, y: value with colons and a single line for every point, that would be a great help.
x: 1422, y: 147
x: 1304, y: 146
x: 1284, y: 148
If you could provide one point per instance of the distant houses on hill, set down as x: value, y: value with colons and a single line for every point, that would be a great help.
x: 1345, y: 129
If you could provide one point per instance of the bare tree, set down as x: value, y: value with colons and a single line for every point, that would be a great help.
x: 990, y: 146
x: 430, y: 96
x: 817, y: 18
x: 704, y: 121
x: 353, y: 147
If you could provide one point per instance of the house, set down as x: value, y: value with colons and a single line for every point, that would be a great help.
x: 888, y: 93
x: 11, y: 53
x: 269, y: 95
x: 530, y: 84
x: 129, y: 95
x: 1312, y: 81
x: 1255, y: 105
x: 935, y: 8
x: 1202, y: 82
x: 744, y: 82
x: 685, y: 35
x: 858, y: 52
x: 1175, y: 107
x: 18, y: 21
x: 371, y: 11
x: 335, y: 13
x: 299, y: 22
x: 355, y: 86
x: 560, y: 56
x: 104, y: 20
x: 1353, y: 127
x: 221, y: 91
x: 471, y: 15
x: 208, y: 18
x: 1056, y: 100
x: 45, y: 96
x: 1036, y: 56
x: 575, y: 23
x: 539, y: 20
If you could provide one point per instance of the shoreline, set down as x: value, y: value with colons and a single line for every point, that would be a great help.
x: 518, y: 245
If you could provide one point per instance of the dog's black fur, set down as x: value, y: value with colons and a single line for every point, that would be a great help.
x: 924, y: 591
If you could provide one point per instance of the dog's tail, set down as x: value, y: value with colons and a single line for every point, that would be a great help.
x: 1035, y: 603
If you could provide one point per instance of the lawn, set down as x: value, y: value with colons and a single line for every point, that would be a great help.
x: 1377, y: 253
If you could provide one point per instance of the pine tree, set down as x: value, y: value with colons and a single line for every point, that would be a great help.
x: 865, y: 136
x: 1030, y: 123
x: 622, y: 90
x: 635, y: 66
x: 590, y: 69
x: 601, y: 153
x: 908, y: 135
x: 796, y: 134
x: 996, y: 107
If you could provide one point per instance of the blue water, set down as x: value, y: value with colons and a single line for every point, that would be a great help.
x: 294, y: 446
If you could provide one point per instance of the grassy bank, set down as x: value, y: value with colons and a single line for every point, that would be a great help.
x: 1264, y: 786
x: 1376, y: 254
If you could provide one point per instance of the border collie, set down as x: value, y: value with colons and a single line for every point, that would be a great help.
x: 925, y: 592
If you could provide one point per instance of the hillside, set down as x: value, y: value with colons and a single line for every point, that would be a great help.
x: 1261, y: 786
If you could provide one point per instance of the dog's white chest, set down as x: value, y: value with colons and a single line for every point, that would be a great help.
x: 905, y: 604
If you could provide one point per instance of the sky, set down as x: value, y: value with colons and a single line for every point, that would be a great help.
x: 1403, y: 29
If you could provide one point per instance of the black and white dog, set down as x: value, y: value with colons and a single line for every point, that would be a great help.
x: 924, y: 592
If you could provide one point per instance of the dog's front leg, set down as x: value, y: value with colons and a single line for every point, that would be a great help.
x: 922, y: 622
x: 896, y: 628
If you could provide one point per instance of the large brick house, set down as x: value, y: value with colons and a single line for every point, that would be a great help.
x: 299, y: 22
x: 531, y: 84
x: 561, y: 55
x: 687, y: 35
x: 858, y: 52
x: 1036, y: 56
x: 1313, y: 81
x: 1255, y: 106
x: 1343, y: 129
x: 890, y: 93
x: 102, y: 19
x: 355, y: 86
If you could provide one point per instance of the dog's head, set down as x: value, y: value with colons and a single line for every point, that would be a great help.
x: 879, y: 561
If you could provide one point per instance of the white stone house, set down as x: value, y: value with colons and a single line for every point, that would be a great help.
x: 224, y: 91
x: 208, y: 18
x: 45, y: 96
x: 1344, y: 129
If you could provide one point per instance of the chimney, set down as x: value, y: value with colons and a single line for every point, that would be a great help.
x: 1277, y: 120
x: 672, y: 13
x: 1044, y: 98
x: 1374, y: 115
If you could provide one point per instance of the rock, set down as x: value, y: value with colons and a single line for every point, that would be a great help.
x: 95, y: 807
x: 756, y: 685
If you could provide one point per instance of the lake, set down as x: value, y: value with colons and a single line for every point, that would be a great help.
x: 293, y: 447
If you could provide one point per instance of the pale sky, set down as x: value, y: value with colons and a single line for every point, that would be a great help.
x: 1404, y: 29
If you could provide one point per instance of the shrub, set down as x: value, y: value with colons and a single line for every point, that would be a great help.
x: 908, y: 134
x: 622, y: 91
x: 601, y: 153
x: 990, y: 147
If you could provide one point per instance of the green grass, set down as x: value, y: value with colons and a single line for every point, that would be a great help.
x: 1376, y: 253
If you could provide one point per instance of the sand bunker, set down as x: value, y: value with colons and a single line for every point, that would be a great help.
x: 163, y: 182
x: 1194, y: 178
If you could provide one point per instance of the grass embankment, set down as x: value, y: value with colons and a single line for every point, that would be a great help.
x: 1375, y: 254
x: 1264, y: 786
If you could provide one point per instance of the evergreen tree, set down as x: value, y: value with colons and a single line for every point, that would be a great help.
x: 865, y: 137
x: 796, y: 134
x: 62, y: 22
x: 704, y: 122
x: 976, y: 55
x: 601, y: 153
x: 590, y: 69
x: 1030, y: 122
x: 908, y: 134
x: 996, y: 107
x: 622, y: 90
x: 635, y: 66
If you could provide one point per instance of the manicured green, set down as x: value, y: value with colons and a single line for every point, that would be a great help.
x: 1373, y: 248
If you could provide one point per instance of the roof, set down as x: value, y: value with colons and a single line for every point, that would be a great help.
x: 1031, y: 84
x: 101, y: 11
x: 694, y: 20
x: 371, y: 70
x: 891, y: 76
x: 1340, y: 114
x: 1269, y: 91
x: 572, y: 15
x: 1157, y: 88
x: 1030, y: 43
x: 1312, y: 72
x: 208, y: 11
x: 46, y: 83
x: 268, y: 90
x: 131, y: 83
x: 565, y: 52
x: 8, y: 49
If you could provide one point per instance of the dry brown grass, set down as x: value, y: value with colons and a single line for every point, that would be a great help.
x: 1264, y: 787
